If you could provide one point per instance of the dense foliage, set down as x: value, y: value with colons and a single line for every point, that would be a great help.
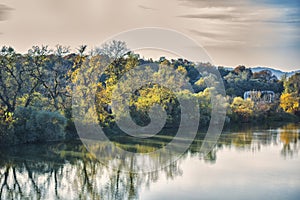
x: 36, y: 90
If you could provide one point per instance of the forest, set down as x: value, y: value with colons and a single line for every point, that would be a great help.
x: 36, y: 91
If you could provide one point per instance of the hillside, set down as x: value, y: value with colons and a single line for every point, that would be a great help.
x: 276, y: 72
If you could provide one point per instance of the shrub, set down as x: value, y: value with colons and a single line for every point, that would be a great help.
x: 32, y: 125
x: 7, y: 136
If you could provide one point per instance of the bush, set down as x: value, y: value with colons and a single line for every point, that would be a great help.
x: 7, y: 136
x: 32, y: 125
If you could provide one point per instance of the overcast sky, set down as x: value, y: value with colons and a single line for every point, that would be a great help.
x: 249, y: 32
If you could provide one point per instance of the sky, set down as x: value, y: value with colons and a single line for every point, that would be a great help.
x: 249, y: 32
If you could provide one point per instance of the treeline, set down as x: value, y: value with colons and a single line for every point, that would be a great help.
x: 36, y: 91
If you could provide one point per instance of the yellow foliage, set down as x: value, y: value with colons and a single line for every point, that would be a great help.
x: 243, y: 108
x: 182, y: 70
x: 289, y: 102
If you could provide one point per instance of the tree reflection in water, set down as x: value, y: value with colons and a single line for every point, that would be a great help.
x: 289, y: 136
x: 68, y: 171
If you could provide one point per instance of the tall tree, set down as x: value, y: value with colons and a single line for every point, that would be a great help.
x: 13, y: 79
x: 290, y: 99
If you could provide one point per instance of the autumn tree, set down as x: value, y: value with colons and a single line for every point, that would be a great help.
x: 242, y: 109
x: 290, y: 99
x: 290, y: 102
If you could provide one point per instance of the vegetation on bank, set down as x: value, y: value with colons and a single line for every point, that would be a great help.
x: 36, y: 91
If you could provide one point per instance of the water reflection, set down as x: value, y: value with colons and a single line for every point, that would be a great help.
x: 289, y: 136
x: 68, y: 171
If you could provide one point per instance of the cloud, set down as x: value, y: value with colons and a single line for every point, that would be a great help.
x: 209, y: 16
x: 220, y: 38
x: 235, y: 14
x: 4, y: 11
x: 284, y: 21
x: 210, y: 3
x: 205, y: 34
x: 248, y: 23
x: 146, y: 7
x: 265, y: 11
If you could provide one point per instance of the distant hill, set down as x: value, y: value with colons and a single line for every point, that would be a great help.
x: 276, y: 72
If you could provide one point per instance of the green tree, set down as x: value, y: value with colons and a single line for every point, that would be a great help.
x: 15, y: 82
x: 292, y: 85
x: 50, y: 70
x: 242, y: 109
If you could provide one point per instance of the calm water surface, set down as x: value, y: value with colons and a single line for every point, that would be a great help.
x: 256, y: 163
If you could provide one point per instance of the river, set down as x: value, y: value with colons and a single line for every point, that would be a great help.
x: 253, y: 163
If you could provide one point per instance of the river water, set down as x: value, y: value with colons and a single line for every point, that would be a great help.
x: 253, y: 163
